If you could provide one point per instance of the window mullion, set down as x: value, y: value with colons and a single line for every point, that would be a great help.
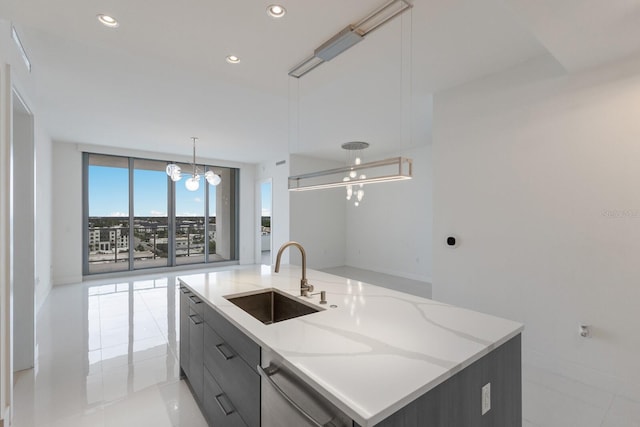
x: 171, y: 222
x: 206, y: 220
x: 131, y: 219
x: 85, y: 208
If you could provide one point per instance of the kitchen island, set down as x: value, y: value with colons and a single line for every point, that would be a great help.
x: 374, y: 353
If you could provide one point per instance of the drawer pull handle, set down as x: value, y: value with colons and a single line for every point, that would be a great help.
x: 221, y: 405
x: 195, y: 299
x: 184, y: 290
x: 226, y: 356
x: 195, y: 319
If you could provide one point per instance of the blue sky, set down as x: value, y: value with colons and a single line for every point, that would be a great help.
x: 265, y: 190
x: 108, y: 194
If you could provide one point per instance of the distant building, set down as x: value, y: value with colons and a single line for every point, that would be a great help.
x: 107, y: 239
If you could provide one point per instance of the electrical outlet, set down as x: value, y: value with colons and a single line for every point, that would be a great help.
x: 486, y: 398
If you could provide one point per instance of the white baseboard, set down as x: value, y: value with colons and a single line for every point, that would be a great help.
x: 66, y: 280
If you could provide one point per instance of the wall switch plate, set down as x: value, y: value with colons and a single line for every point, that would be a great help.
x: 486, y: 398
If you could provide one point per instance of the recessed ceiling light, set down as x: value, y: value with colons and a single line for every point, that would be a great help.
x: 108, y: 21
x: 276, y: 11
x: 232, y: 59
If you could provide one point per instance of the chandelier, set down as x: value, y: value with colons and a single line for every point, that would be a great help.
x: 193, y: 182
x: 354, y: 159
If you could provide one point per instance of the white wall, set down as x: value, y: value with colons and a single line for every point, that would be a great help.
x: 391, y: 231
x: 44, y: 229
x: 6, y: 267
x: 24, y: 275
x: 24, y: 82
x: 14, y: 75
x: 317, y: 218
x: 67, y: 205
x: 247, y: 209
x: 538, y: 175
x: 67, y: 214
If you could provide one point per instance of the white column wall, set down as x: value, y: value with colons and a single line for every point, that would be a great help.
x: 44, y: 226
x: 537, y: 173
x: 67, y: 214
x: 6, y: 223
x: 317, y: 218
x: 246, y: 217
x: 24, y: 274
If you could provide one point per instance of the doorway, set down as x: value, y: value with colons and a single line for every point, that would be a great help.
x: 265, y: 222
x: 24, y: 254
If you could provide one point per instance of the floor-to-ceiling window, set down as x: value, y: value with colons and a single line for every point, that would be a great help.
x: 137, y: 217
x: 150, y: 214
x: 108, y: 214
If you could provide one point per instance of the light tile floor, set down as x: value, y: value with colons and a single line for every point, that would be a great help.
x: 553, y: 400
x: 107, y: 356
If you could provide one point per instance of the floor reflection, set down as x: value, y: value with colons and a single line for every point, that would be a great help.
x: 107, y: 355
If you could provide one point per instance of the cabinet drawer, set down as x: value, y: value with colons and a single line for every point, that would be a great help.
x: 237, y: 379
x: 196, y: 304
x: 184, y: 331
x: 242, y: 344
x: 218, y: 407
x: 196, y: 352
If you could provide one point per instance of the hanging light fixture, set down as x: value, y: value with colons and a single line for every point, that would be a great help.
x: 356, y: 174
x: 193, y: 182
x: 387, y: 170
x: 349, y: 36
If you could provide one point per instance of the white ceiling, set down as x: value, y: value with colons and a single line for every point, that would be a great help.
x: 161, y: 77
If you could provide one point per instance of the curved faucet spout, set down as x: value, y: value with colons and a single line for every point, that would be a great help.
x: 304, y: 284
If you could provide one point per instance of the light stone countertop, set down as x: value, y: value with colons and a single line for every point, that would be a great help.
x: 372, y: 355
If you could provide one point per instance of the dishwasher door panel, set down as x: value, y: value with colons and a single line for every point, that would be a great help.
x: 288, y: 401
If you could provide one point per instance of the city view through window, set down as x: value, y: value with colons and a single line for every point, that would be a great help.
x: 138, y: 218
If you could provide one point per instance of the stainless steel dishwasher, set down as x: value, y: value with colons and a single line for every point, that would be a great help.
x: 287, y: 401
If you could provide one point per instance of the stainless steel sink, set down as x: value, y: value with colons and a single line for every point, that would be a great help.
x: 271, y: 306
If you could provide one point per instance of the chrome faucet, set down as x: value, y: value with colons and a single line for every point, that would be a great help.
x: 305, y: 287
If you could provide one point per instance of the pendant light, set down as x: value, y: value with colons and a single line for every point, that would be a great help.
x: 193, y: 182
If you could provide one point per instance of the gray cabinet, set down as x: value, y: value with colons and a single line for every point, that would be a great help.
x: 184, y: 330
x: 240, y: 382
x: 219, y: 361
x: 458, y: 401
x: 196, y: 345
x: 218, y: 408
x: 192, y: 340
